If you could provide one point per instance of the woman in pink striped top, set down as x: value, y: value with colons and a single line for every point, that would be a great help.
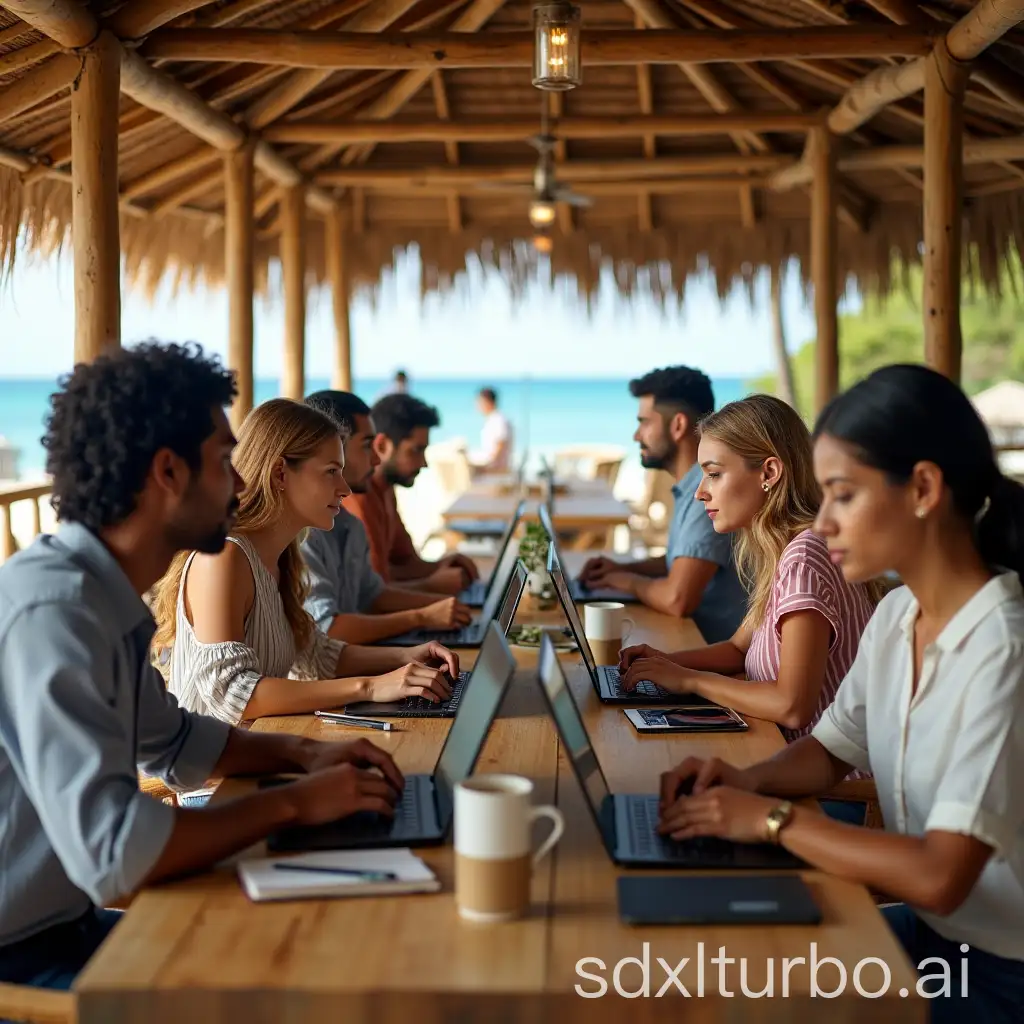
x: 804, y: 621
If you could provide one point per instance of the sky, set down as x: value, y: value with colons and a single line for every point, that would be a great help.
x: 474, y: 333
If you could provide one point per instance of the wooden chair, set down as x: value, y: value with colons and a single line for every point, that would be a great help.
x: 860, y: 791
x: 36, y: 1005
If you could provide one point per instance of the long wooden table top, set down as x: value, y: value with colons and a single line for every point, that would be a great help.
x: 199, y: 950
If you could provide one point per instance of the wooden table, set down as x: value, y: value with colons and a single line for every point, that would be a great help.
x: 198, y: 950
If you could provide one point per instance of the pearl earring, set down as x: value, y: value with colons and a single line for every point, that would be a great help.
x: 920, y: 513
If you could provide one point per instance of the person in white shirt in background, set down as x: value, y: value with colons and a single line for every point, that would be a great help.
x: 495, y: 455
x: 933, y: 705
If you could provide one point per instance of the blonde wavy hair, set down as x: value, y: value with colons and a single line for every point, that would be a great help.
x: 279, y: 429
x: 757, y: 428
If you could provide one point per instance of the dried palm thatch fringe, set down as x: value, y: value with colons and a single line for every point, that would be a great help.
x: 177, y: 250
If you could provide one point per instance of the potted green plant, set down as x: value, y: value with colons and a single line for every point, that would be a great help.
x: 533, y: 550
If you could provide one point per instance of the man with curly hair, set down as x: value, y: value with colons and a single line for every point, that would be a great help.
x: 696, y: 577
x: 139, y: 449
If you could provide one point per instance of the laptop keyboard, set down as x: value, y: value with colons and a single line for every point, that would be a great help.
x: 701, y: 850
x: 415, y: 706
x: 644, y: 688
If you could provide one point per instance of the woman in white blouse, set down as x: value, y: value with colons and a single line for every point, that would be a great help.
x: 241, y: 644
x: 933, y: 705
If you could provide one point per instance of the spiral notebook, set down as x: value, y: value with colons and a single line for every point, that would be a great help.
x: 331, y: 873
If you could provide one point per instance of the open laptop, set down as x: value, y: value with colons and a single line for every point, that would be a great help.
x: 420, y: 707
x: 579, y: 591
x: 510, y: 589
x: 605, y: 678
x: 476, y: 594
x: 424, y: 814
x: 628, y: 822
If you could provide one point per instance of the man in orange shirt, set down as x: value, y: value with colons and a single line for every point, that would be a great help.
x: 403, y: 426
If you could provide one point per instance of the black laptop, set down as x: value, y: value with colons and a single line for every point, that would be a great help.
x: 579, y: 590
x: 605, y: 678
x: 513, y: 577
x: 420, y: 707
x: 424, y: 814
x: 476, y: 594
x: 628, y: 822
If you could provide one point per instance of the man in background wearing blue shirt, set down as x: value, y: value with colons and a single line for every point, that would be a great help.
x: 139, y: 450
x: 696, y: 577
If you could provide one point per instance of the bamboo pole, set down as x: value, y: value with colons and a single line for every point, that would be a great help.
x: 347, y: 50
x: 239, y: 238
x: 945, y: 83
x: 47, y: 80
x: 293, y: 268
x: 337, y: 275
x: 515, y: 129
x: 824, y: 266
x: 138, y: 18
x: 70, y: 24
x: 579, y: 170
x: 95, y: 231
x: 36, y: 53
x: 197, y: 160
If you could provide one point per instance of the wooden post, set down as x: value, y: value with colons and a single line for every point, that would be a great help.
x: 824, y: 265
x: 337, y: 275
x: 945, y: 82
x: 95, y: 229
x: 293, y: 268
x: 239, y: 222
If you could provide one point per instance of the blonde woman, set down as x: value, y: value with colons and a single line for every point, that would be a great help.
x: 241, y: 644
x: 804, y: 620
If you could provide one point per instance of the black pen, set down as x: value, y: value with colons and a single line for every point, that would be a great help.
x: 366, y: 875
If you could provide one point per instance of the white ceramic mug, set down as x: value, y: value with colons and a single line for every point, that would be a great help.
x: 493, y: 857
x: 608, y: 628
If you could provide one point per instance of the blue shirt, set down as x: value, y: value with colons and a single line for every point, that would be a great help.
x: 691, y: 534
x: 82, y: 710
x: 342, y: 580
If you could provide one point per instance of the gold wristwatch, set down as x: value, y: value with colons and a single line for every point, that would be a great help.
x: 778, y: 817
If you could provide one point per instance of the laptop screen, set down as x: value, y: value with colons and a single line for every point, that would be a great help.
x: 504, y: 573
x: 513, y: 595
x: 571, y: 730
x: 503, y: 546
x: 480, y: 701
x: 573, y: 616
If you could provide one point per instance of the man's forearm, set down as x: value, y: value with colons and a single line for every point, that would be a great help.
x: 202, y: 837
x: 653, y: 567
x: 260, y: 753
x: 365, y: 629
x: 660, y: 594
x: 401, y: 599
x: 413, y: 568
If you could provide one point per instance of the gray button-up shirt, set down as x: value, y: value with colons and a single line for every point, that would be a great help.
x: 691, y: 534
x: 81, y: 711
x: 342, y: 580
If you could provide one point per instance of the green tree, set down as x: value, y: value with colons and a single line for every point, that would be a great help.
x: 891, y: 331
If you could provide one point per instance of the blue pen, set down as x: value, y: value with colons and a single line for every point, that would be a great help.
x: 366, y: 876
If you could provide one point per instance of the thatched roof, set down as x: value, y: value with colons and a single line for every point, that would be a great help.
x: 654, y: 226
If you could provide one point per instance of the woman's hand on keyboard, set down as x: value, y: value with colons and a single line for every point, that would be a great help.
x: 630, y: 654
x: 436, y: 656
x: 695, y: 775
x: 413, y: 680
x: 662, y: 672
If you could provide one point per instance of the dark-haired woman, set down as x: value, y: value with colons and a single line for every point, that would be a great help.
x: 933, y: 705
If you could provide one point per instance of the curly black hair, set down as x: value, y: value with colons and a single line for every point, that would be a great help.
x: 677, y: 388
x: 110, y: 418
x: 397, y: 416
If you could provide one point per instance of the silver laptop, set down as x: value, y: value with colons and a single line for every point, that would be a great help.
x: 476, y: 594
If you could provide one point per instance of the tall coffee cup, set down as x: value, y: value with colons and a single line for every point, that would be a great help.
x: 607, y: 628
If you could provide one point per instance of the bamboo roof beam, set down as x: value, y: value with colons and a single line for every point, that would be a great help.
x: 472, y: 19
x: 451, y: 149
x: 515, y: 129
x: 515, y: 48
x: 581, y: 170
x: 645, y: 96
x: 140, y: 17
x: 53, y: 76
x: 68, y: 24
x: 26, y: 56
x: 196, y: 160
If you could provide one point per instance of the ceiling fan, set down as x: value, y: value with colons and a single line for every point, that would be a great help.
x: 546, y: 191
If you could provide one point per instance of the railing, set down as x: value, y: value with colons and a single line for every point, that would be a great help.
x: 11, y: 494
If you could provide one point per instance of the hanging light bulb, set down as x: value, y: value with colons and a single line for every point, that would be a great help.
x: 556, y: 46
x: 543, y: 243
x: 542, y: 213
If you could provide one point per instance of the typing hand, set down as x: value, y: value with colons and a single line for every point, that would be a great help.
x: 630, y: 654
x: 412, y: 680
x: 458, y: 561
x: 435, y: 655
x: 446, y: 614
x: 338, y: 791
x: 446, y: 579
x: 694, y: 776
x: 662, y: 672
x: 724, y: 812
x: 594, y: 570
x: 318, y: 756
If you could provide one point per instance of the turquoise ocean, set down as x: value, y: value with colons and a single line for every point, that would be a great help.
x: 546, y: 414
